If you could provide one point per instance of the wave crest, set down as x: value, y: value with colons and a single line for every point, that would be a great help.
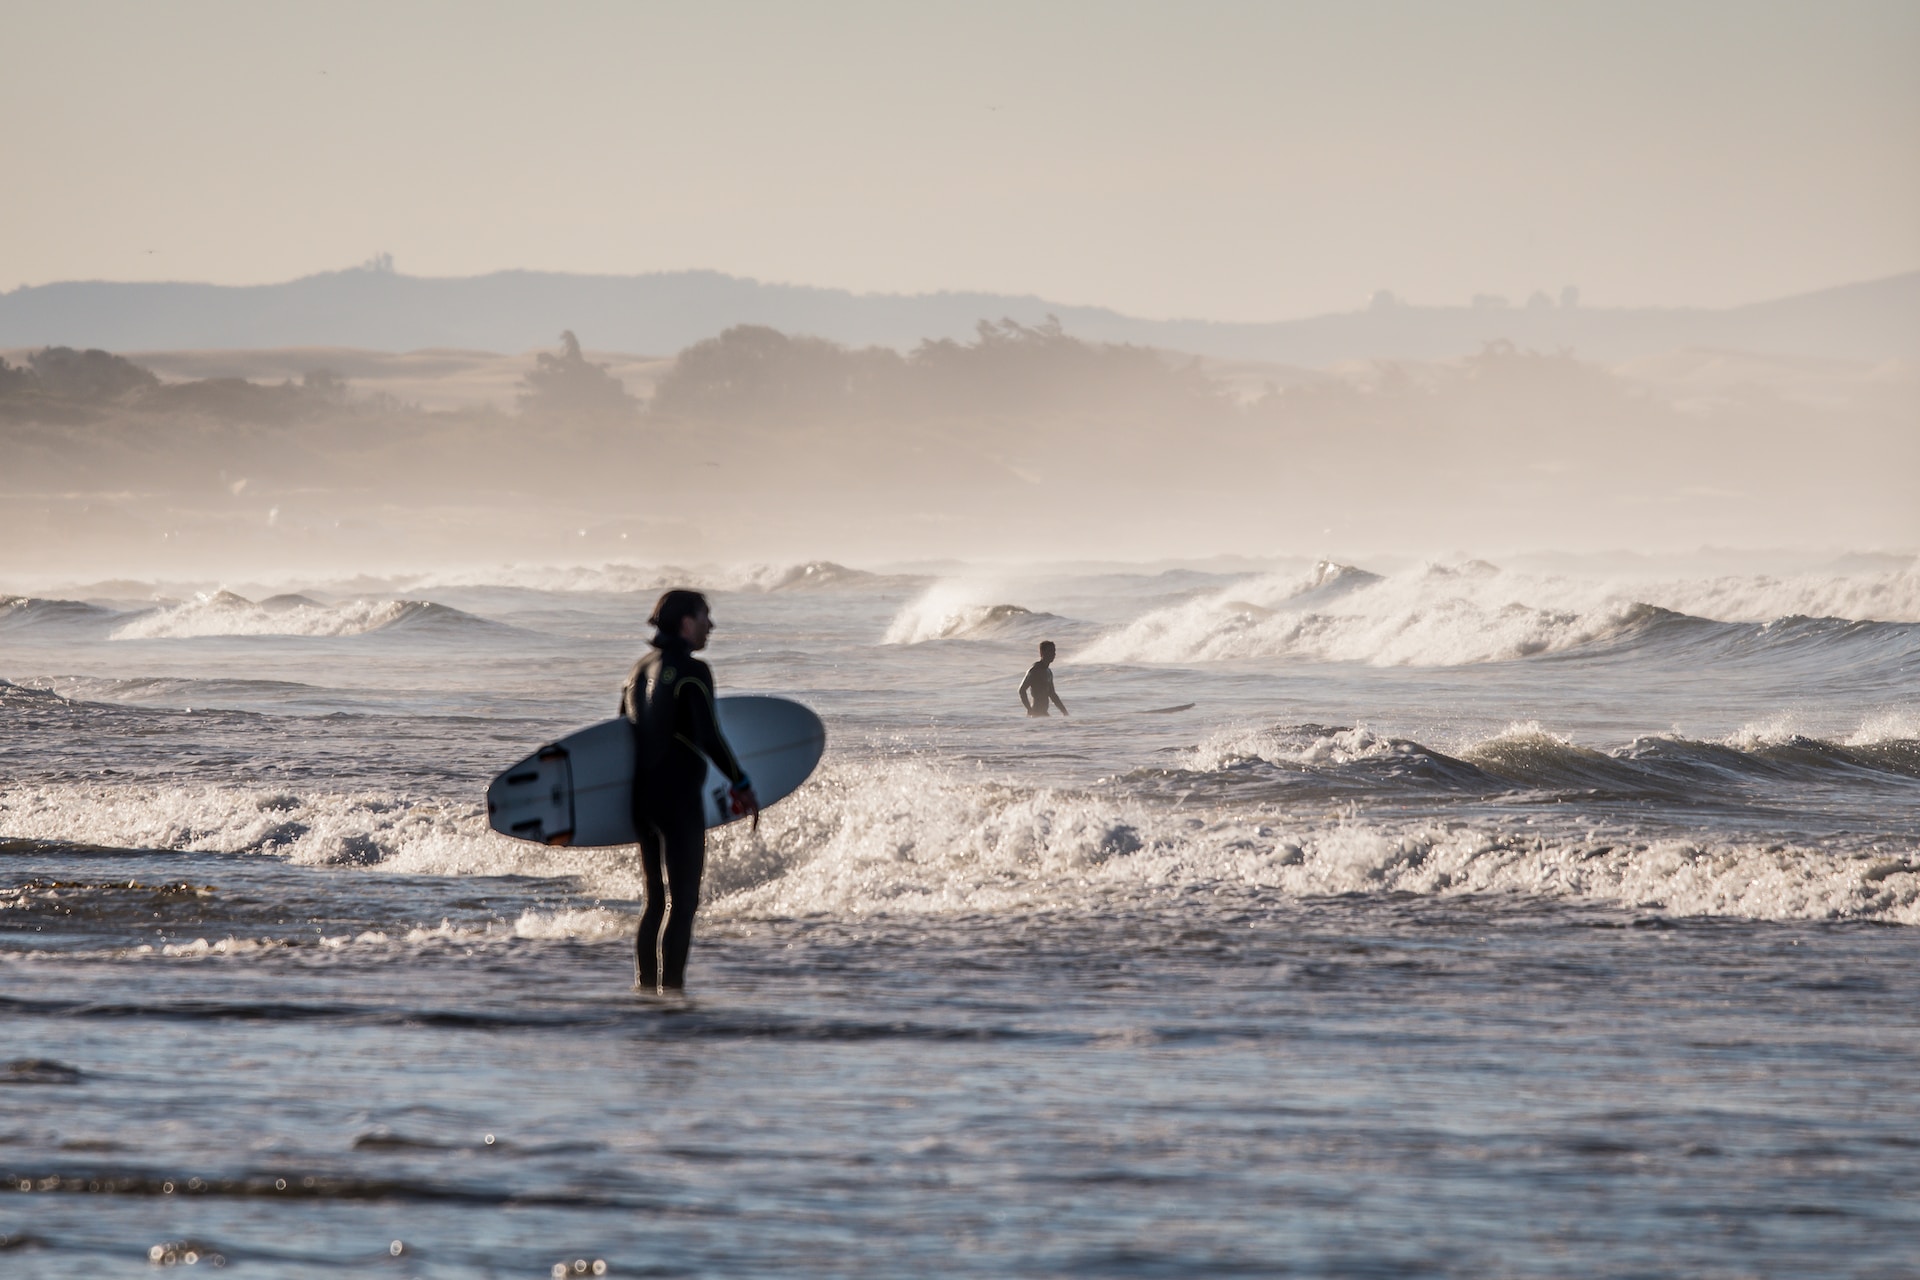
x: 223, y: 613
x: 1475, y: 613
x: 957, y: 611
x: 32, y: 611
x: 1308, y: 761
x: 907, y: 836
x: 919, y: 840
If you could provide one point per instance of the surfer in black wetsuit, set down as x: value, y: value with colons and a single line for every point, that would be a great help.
x: 669, y: 700
x: 1039, y: 683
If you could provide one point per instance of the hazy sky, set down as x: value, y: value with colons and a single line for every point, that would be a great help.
x: 1234, y: 161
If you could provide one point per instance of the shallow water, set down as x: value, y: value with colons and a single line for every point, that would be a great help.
x: 1467, y: 923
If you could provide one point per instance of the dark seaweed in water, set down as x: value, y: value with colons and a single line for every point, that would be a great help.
x: 38, y: 1071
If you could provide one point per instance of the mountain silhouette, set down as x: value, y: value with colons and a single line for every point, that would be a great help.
x: 374, y: 307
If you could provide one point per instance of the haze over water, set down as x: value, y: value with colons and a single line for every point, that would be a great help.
x: 1486, y: 839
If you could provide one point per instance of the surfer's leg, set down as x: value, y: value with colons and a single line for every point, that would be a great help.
x: 686, y: 856
x: 646, y: 945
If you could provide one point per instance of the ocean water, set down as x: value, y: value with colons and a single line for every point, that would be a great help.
x: 1448, y: 921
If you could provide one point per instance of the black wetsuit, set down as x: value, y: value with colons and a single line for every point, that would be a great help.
x: 669, y: 700
x: 1040, y: 681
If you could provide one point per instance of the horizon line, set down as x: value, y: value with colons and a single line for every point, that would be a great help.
x: 382, y: 265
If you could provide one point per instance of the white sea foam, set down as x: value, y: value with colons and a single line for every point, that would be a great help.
x: 583, y: 924
x: 955, y: 609
x: 1425, y: 618
x: 918, y: 839
x: 912, y: 837
x: 201, y: 947
x: 579, y: 924
x: 1455, y: 615
x: 321, y: 828
x: 1315, y: 747
x: 222, y: 613
x: 1886, y: 596
x: 196, y: 949
x: 1892, y: 724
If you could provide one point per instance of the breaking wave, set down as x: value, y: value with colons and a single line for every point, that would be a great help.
x: 1308, y: 762
x: 1442, y: 616
x: 18, y: 612
x: 910, y: 836
x: 320, y: 828
x: 921, y: 840
x: 1339, y: 613
x: 1889, y: 595
x: 224, y: 613
x: 957, y: 611
x: 967, y: 622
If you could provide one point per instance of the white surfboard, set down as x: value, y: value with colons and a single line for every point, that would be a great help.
x: 579, y: 790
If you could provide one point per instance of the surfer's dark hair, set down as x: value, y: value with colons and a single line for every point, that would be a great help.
x: 1046, y: 647
x: 675, y: 607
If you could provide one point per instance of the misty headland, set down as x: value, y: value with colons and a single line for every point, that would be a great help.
x: 1044, y: 437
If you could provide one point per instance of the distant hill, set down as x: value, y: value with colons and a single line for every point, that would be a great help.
x: 512, y: 311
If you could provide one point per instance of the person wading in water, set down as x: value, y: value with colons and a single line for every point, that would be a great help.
x: 1039, y: 683
x: 669, y: 700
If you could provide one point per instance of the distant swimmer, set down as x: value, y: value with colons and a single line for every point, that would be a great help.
x: 1036, y: 691
x: 669, y: 700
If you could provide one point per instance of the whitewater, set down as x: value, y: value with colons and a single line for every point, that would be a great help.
x: 1360, y: 920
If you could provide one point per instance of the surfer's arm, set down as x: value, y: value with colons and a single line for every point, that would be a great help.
x: 629, y: 701
x: 696, y: 698
x: 1057, y: 702
x: 1024, y: 686
x: 702, y: 729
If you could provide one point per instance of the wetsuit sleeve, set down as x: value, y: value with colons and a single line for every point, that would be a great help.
x: 630, y: 692
x: 700, y: 726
